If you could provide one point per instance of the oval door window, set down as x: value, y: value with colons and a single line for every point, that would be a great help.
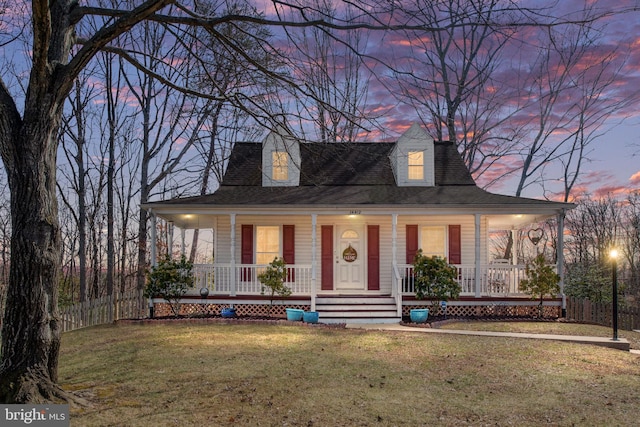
x: 349, y: 254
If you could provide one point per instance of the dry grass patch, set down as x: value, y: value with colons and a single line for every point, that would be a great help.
x: 183, y: 375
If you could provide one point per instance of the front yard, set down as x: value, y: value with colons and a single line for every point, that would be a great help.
x: 215, y: 374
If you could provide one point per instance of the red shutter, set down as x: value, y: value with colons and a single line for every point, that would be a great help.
x: 246, y: 250
x: 288, y: 249
x: 247, y: 244
x: 326, y: 251
x: 412, y: 243
x: 455, y: 245
x: 373, y: 257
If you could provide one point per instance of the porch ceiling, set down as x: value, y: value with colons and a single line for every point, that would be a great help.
x: 515, y: 221
x: 207, y: 220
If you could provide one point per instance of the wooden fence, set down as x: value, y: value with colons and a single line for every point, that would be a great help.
x: 127, y: 305
x: 600, y: 313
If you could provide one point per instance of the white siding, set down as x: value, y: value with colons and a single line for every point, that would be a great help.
x: 303, y: 239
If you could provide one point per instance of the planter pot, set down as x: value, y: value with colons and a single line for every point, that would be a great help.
x: 228, y: 312
x: 294, y: 314
x: 310, y: 316
x: 419, y: 315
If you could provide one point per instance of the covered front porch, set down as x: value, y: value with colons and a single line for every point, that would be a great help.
x: 485, y: 283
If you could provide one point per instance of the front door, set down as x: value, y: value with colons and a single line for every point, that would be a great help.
x: 350, y: 258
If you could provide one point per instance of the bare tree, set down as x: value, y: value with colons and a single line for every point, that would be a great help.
x: 332, y: 69
x: 29, y: 142
x: 450, y: 74
x: 74, y: 128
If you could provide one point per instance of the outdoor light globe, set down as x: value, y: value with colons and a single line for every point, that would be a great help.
x: 613, y: 253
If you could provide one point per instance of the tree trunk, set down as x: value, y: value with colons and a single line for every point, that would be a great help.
x: 31, y: 326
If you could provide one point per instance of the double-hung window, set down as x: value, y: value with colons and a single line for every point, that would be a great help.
x: 415, y: 165
x: 267, y: 243
x: 433, y: 240
x: 280, y: 166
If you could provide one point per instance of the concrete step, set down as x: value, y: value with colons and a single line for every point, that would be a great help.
x: 360, y: 320
x: 357, y: 314
x: 355, y: 300
x: 354, y: 307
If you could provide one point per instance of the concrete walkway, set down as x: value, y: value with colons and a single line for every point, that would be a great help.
x: 621, y: 344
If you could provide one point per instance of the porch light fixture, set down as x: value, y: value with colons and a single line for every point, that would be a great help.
x: 614, y: 301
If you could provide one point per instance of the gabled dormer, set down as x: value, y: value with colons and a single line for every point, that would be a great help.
x: 280, y: 161
x: 412, y: 159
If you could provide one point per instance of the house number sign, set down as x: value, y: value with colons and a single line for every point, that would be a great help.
x: 349, y: 254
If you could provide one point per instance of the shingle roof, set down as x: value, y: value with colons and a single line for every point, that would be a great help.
x: 350, y: 175
x: 343, y: 165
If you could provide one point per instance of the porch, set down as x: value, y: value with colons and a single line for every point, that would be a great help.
x: 496, y: 295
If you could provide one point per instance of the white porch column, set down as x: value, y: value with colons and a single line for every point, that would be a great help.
x: 314, y: 260
x: 514, y: 248
x: 478, y: 256
x: 170, y: 239
x: 394, y: 260
x: 154, y: 254
x: 183, y: 248
x: 154, y: 247
x: 394, y: 238
x: 232, y: 276
x: 560, y: 260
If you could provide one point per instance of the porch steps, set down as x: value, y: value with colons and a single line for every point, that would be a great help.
x: 357, y: 309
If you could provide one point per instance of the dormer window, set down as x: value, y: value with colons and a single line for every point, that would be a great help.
x: 280, y: 161
x: 280, y: 169
x: 412, y: 159
x: 415, y: 167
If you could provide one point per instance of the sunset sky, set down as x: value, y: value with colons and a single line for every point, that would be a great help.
x: 612, y: 166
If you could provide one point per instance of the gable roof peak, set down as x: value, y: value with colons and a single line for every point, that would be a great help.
x: 415, y: 131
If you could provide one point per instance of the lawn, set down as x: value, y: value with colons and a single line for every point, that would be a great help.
x: 266, y: 375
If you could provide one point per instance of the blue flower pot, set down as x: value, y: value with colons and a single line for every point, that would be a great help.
x: 310, y: 316
x: 294, y: 314
x: 228, y: 312
x: 419, y: 315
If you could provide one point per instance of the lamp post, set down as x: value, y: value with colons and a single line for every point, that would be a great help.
x: 614, y: 300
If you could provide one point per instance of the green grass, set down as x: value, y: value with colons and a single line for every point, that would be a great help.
x: 266, y: 375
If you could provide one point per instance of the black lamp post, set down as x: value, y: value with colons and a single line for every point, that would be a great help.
x: 614, y: 300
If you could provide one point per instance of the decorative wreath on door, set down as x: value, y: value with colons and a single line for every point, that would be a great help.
x: 349, y: 254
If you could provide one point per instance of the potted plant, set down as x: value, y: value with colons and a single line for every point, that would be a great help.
x: 434, y: 279
x: 273, y: 278
x: 541, y: 280
x: 170, y: 280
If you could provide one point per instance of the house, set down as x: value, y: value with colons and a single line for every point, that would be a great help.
x: 348, y: 219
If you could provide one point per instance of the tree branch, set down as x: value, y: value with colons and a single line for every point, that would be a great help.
x: 126, y: 20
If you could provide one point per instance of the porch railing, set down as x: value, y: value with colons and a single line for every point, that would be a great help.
x: 495, y: 279
x: 243, y: 279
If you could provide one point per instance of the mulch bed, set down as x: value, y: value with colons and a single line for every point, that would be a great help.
x: 238, y: 320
